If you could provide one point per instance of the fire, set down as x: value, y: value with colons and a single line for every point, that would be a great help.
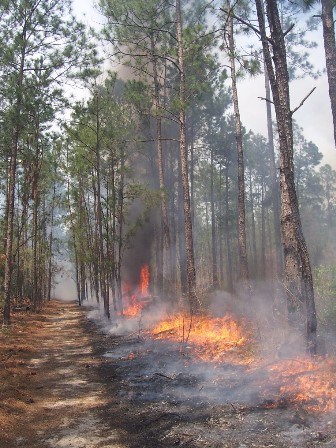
x: 310, y: 383
x: 209, y: 338
x: 133, y: 310
x: 304, y: 382
x: 132, y: 305
x: 144, y: 280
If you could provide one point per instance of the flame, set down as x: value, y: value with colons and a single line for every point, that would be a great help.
x: 307, y: 382
x: 144, y: 280
x: 209, y: 338
x: 133, y: 310
x: 132, y: 305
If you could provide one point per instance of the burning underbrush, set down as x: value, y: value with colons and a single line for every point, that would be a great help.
x: 222, y: 359
x: 302, y: 381
x: 305, y: 382
x: 209, y: 338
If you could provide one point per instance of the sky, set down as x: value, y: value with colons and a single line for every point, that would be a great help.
x: 314, y: 116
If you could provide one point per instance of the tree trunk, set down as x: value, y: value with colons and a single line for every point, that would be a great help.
x: 213, y: 226
x: 274, y: 180
x: 229, y: 273
x: 11, y: 182
x: 181, y: 234
x: 50, y: 254
x: 191, y: 272
x: 298, y: 275
x: 165, y: 239
x: 242, y: 252
x: 263, y: 230
x: 253, y: 225
x: 330, y: 53
x: 220, y: 227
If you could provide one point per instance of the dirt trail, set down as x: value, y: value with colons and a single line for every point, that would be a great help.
x: 59, y: 390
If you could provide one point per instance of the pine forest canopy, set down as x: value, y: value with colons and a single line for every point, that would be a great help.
x: 153, y: 177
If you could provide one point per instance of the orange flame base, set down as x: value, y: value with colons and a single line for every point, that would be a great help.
x: 210, y: 338
x: 134, y: 306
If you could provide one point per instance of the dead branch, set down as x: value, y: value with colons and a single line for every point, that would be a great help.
x: 303, y: 101
x: 289, y: 30
x: 265, y: 99
x: 164, y: 376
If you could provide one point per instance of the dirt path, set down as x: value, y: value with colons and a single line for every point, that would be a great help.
x: 56, y: 397
x: 58, y: 389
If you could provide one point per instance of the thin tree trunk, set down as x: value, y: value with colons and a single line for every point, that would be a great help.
x: 11, y: 185
x: 254, y: 238
x: 165, y: 240
x: 227, y: 232
x: 220, y: 228
x: 181, y: 234
x: 121, y: 231
x: 263, y: 231
x: 274, y: 180
x: 330, y: 53
x: 191, y: 272
x: 242, y: 252
x: 213, y: 226
x: 298, y: 274
x: 50, y: 275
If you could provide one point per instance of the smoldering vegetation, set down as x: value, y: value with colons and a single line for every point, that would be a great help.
x: 245, y: 373
x: 251, y: 395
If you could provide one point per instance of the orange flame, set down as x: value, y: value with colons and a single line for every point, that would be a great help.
x: 131, y: 297
x: 209, y: 337
x: 308, y: 382
x: 144, y: 280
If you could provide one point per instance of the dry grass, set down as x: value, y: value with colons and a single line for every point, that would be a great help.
x: 18, y: 345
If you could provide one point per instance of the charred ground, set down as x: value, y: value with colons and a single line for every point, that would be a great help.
x: 64, y: 383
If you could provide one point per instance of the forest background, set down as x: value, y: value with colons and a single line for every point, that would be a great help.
x: 154, y: 167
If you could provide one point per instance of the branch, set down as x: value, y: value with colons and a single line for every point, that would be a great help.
x: 289, y: 30
x: 265, y: 99
x: 303, y: 101
x: 149, y: 140
x: 244, y: 22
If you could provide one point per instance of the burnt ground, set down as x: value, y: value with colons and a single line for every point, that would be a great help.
x: 64, y: 383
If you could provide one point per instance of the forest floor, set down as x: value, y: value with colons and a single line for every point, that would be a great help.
x: 66, y: 384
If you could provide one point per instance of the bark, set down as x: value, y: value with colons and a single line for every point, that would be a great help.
x: 220, y: 227
x: 298, y: 275
x: 263, y: 230
x: 330, y: 53
x: 36, y: 297
x: 242, y: 252
x: 99, y: 217
x: 173, y: 223
x: 229, y: 272
x: 113, y: 237
x: 11, y: 184
x: 254, y: 238
x: 213, y: 227
x: 191, y: 272
x: 50, y: 255
x: 120, y: 232
x: 181, y: 235
x: 165, y: 240
x: 274, y: 180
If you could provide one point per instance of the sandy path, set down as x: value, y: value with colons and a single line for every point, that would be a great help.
x: 63, y: 397
x: 58, y: 390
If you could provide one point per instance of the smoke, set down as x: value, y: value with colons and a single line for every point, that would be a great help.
x: 64, y: 285
x: 139, y: 249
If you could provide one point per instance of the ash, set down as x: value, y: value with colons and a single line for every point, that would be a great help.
x: 174, y: 399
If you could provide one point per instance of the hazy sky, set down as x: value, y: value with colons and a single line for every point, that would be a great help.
x: 314, y: 116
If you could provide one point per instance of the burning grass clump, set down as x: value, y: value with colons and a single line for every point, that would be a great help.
x: 208, y: 338
x: 306, y: 382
